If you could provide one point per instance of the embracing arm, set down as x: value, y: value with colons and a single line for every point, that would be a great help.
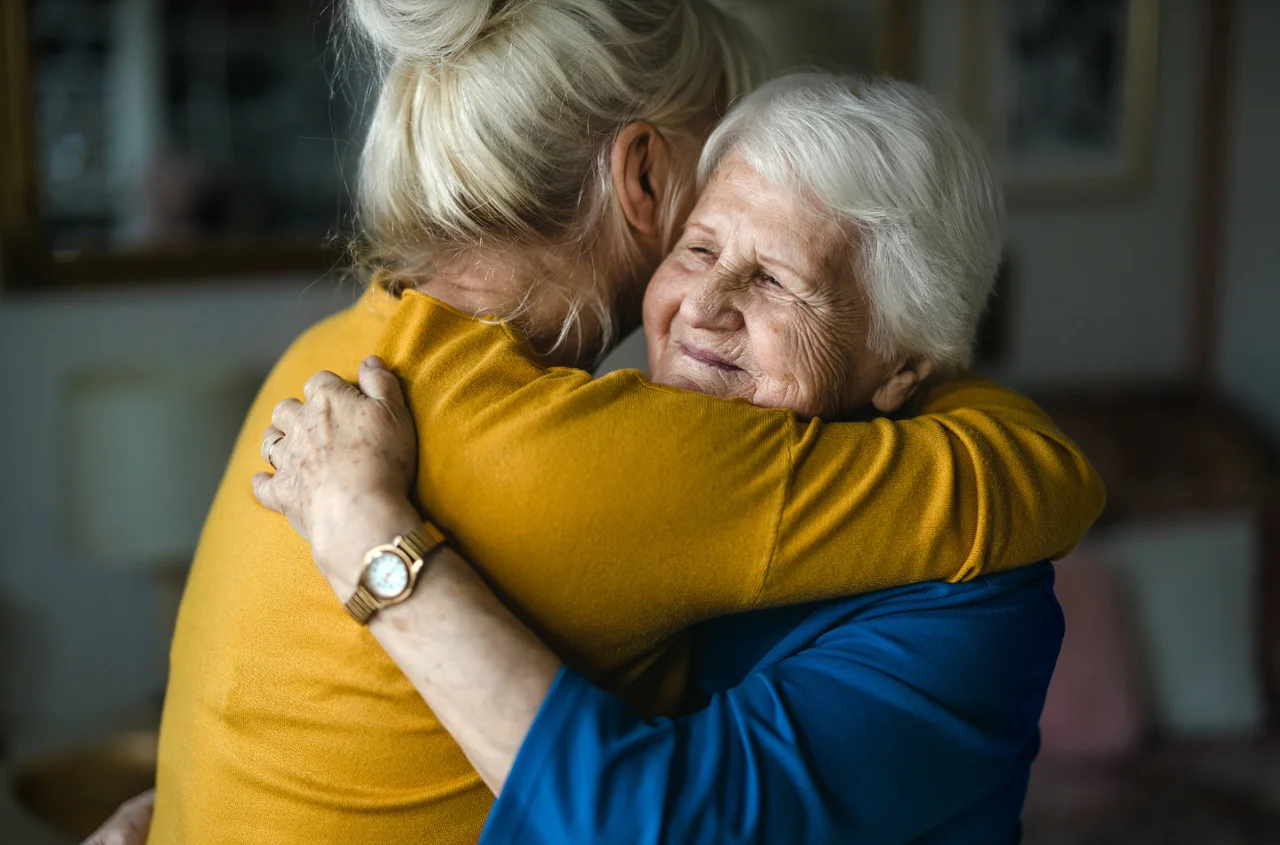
x: 877, y: 730
x: 533, y: 470
x: 486, y: 675
x: 841, y: 742
x: 892, y: 718
x: 483, y: 673
x: 341, y: 476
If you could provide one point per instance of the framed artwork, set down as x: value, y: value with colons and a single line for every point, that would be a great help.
x: 146, y: 140
x: 1065, y: 93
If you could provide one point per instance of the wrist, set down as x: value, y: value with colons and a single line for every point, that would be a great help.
x: 371, y: 521
x: 444, y: 577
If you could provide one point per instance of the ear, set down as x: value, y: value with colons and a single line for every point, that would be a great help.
x: 895, y: 390
x: 641, y: 165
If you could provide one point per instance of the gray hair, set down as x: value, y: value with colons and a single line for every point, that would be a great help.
x: 910, y: 179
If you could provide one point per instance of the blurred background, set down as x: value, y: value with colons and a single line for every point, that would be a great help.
x: 175, y: 178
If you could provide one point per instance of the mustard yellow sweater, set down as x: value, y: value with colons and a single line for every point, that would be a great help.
x: 610, y: 513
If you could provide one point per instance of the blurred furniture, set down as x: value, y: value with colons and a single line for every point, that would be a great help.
x: 143, y: 141
x: 1169, y: 451
x: 148, y: 442
x: 20, y: 827
x: 1138, y: 769
x: 76, y: 790
x: 147, y: 445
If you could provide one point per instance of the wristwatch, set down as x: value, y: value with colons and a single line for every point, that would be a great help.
x: 391, y: 570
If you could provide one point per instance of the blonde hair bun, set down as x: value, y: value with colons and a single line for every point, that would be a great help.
x: 422, y: 32
x: 495, y: 120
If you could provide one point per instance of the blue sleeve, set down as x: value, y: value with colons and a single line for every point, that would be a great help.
x: 879, y: 729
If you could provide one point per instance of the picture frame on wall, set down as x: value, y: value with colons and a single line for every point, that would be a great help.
x: 1064, y: 92
x: 149, y: 142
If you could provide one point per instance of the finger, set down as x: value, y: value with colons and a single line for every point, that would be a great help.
x: 325, y: 381
x: 270, y: 438
x: 143, y: 809
x: 285, y: 416
x: 108, y: 834
x: 265, y: 492
x: 379, y: 383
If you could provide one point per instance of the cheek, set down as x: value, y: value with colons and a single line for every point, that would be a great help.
x: 772, y: 360
x: 661, y: 302
x: 806, y: 363
x: 772, y: 350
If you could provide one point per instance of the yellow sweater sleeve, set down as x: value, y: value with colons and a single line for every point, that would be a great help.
x: 656, y: 508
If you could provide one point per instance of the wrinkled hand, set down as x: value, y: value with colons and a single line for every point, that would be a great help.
x: 346, y: 455
x: 130, y: 824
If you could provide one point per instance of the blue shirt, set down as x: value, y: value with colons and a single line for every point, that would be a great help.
x: 907, y: 715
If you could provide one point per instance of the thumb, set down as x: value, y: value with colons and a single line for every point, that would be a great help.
x: 378, y: 382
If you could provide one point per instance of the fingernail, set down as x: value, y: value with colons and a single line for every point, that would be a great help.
x: 373, y: 361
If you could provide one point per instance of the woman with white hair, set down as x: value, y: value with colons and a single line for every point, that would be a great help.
x: 528, y: 162
x: 844, y: 222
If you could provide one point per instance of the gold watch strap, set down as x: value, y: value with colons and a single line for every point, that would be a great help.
x: 420, y: 542
x: 362, y: 604
x: 416, y: 545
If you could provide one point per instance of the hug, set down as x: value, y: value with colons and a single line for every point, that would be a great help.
x: 792, y: 585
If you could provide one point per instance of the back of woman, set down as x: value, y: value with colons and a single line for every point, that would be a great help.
x: 284, y: 721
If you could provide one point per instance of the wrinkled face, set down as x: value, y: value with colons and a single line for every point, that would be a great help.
x: 758, y: 300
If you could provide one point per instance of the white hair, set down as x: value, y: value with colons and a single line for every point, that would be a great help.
x: 495, y: 119
x: 910, y: 179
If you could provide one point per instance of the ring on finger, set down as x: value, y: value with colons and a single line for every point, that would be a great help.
x: 271, y: 451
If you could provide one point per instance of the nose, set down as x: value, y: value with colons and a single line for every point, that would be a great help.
x: 710, y: 303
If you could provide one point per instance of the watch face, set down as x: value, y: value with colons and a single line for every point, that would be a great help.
x: 388, y: 576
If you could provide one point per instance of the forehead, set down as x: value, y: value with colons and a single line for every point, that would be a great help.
x: 741, y: 206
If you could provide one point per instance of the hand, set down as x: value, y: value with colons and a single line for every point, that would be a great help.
x: 130, y: 824
x: 344, y: 463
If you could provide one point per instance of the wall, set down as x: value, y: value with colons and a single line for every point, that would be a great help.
x: 1248, y: 363
x: 1101, y: 292
x: 80, y: 645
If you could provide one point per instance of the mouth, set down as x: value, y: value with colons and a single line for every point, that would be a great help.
x: 706, y: 357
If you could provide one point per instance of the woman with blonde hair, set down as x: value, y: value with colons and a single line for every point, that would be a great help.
x: 529, y: 162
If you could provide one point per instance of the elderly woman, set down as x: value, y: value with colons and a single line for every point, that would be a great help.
x: 906, y: 715
x: 613, y: 514
x: 765, y: 297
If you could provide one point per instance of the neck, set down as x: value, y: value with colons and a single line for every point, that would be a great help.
x: 508, y: 283
x: 476, y: 285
